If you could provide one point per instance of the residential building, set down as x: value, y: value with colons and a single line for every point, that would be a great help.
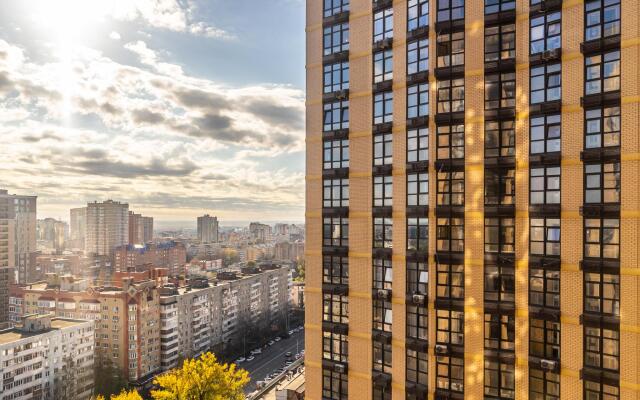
x: 208, y: 229
x: 47, y: 358
x: 107, y: 227
x: 7, y: 258
x: 140, y: 229
x: 261, y: 233
x: 52, y: 234
x: 170, y: 255
x: 289, y: 251
x: 477, y: 174
x: 23, y: 211
x: 78, y: 228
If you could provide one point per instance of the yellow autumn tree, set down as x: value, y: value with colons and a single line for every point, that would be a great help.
x: 124, y: 395
x: 202, y: 379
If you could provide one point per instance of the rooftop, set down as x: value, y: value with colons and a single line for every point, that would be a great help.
x: 15, y: 334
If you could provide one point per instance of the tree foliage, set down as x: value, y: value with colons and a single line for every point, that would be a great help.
x: 124, y: 395
x: 202, y: 379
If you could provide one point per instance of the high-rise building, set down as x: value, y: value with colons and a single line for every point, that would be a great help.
x: 7, y: 259
x: 472, y: 193
x: 260, y: 232
x: 23, y: 209
x: 107, y: 227
x: 140, y: 228
x: 78, y: 228
x: 52, y: 234
x: 170, y: 255
x: 208, y: 229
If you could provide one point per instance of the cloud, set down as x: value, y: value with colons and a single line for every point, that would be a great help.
x: 150, y: 58
x: 115, y: 35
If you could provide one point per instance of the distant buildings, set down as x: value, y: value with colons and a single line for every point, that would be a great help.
x: 208, y: 229
x: 7, y: 259
x: 260, y: 232
x: 289, y: 251
x: 140, y: 228
x: 107, y: 227
x: 52, y: 234
x: 47, y: 358
x: 170, y: 255
x: 77, y: 228
x: 22, y: 210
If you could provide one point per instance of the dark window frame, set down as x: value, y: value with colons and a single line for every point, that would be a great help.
x: 600, y: 390
x: 417, y: 367
x: 551, y: 80
x: 595, y: 343
x: 604, y: 181
x: 450, y: 141
x: 450, y: 49
x: 335, y: 154
x: 505, y: 228
x: 335, y: 270
x: 604, y: 124
x: 335, y: 115
x: 503, y: 386
x: 608, y: 238
x: 450, y: 327
x: 499, y: 187
x: 601, y: 293
x: 335, y: 347
x: 418, y: 100
x: 450, y: 281
x: 335, y: 231
x: 544, y: 339
x: 450, y: 374
x: 550, y: 39
x: 598, y: 73
x: 418, y: 189
x: 451, y: 11
x: 418, y: 233
x: 382, y: 66
x: 499, y: 42
x: 551, y: 179
x: 333, y: 7
x: 383, y: 149
x: 450, y: 95
x: 335, y: 308
x: 417, y: 56
x: 334, y: 385
x: 383, y: 24
x: 383, y: 191
x: 335, y: 38
x: 383, y: 107
x: 335, y: 77
x: 549, y: 243
x: 381, y: 311
x: 417, y: 278
x: 383, y: 232
x: 450, y: 188
x: 499, y: 283
x: 417, y: 322
x: 335, y: 192
x: 450, y: 235
x: 418, y: 144
x: 544, y: 384
x: 494, y: 6
x: 545, y: 129
x: 382, y: 274
x: 544, y: 287
x: 596, y: 29
x: 505, y: 86
x: 500, y: 332
x: 417, y: 14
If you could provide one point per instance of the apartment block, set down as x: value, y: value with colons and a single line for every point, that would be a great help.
x: 208, y: 229
x: 77, y: 228
x: 127, y: 317
x: 7, y: 260
x: 23, y: 213
x: 107, y: 227
x: 472, y: 193
x: 170, y: 255
x: 47, y: 358
x: 140, y: 229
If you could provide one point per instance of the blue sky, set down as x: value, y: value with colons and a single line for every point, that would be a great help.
x: 178, y: 107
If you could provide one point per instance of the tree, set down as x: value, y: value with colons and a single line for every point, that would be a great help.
x: 109, y: 379
x: 300, y: 271
x: 202, y: 379
x: 124, y: 395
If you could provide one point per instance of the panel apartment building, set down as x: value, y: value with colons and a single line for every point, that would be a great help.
x: 473, y: 199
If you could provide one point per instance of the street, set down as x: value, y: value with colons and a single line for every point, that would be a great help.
x: 272, y: 358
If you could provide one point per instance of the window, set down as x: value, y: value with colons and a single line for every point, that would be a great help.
x: 334, y: 347
x: 418, y: 145
x: 449, y: 10
x: 381, y: 392
x: 382, y: 274
x: 597, y: 391
x: 335, y: 308
x: 602, y: 127
x: 601, y: 348
x: 499, y: 235
x: 450, y: 234
x: 383, y: 232
x: 450, y: 142
x: 336, y: 115
x: 417, y: 322
x: 602, y: 19
x: 333, y: 7
x: 382, y: 315
x: 546, y: 83
x: 545, y: 185
x: 494, y: 6
x: 334, y: 385
x: 335, y: 231
x: 450, y: 373
x: 545, y: 134
x: 544, y: 385
x: 602, y: 293
x: 499, y: 42
x: 418, y: 100
x: 383, y: 25
x: 499, y: 379
x: 382, y: 66
x: 383, y: 107
x: 499, y: 138
x: 450, y: 327
x: 546, y: 32
x: 602, y: 183
x: 417, y: 56
x: 602, y: 238
x: 602, y: 73
x: 499, y: 332
x: 500, y: 91
x: 450, y: 188
x: 450, y: 95
x: 417, y: 14
x: 336, y: 39
x: 336, y: 77
x: 383, y: 191
x: 499, y: 186
x: 450, y: 49
x: 418, y: 234
x: 544, y: 237
x: 417, y: 367
x: 383, y: 149
x: 418, y: 189
x: 544, y: 287
x: 335, y: 193
x: 335, y: 270
x: 336, y: 154
x: 544, y: 339
x: 417, y: 277
x: 450, y: 281
x: 499, y: 283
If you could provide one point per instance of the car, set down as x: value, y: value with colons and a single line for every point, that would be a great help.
x: 271, y: 343
x: 250, y: 358
x: 241, y: 360
x: 278, y: 338
x: 288, y: 354
x: 256, y: 351
x: 287, y: 363
x: 291, y: 332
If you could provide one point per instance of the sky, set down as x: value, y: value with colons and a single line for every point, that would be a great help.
x: 177, y: 107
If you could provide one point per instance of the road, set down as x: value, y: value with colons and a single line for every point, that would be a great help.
x: 271, y: 359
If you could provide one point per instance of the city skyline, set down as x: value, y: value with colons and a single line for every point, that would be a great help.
x: 90, y: 87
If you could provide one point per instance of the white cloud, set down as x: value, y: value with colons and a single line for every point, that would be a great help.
x: 115, y: 35
x: 150, y: 58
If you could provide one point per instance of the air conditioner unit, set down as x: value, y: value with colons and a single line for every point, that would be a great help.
x: 418, y: 299
x: 548, y: 364
x: 458, y: 387
x: 383, y: 293
x: 441, y: 348
x: 339, y: 368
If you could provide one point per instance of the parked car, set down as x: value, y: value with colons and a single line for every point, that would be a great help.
x: 278, y: 338
x: 250, y: 358
x: 256, y: 351
x: 271, y: 343
x: 288, y: 354
x: 241, y: 360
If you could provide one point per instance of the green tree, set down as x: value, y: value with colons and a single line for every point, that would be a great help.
x: 109, y: 380
x: 202, y: 379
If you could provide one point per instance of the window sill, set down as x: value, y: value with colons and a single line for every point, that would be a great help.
x: 545, y: 210
x: 601, y: 154
x: 418, y: 33
x: 545, y: 56
x: 600, y: 210
x: 342, y: 56
x: 545, y: 6
x: 600, y: 45
x: 334, y: 327
x: 329, y: 212
x: 450, y: 25
x: 337, y: 95
x: 600, y: 375
x: 501, y: 17
x: 503, y: 65
x: 336, y: 134
x: 600, y: 99
x: 336, y: 18
x: 335, y: 288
